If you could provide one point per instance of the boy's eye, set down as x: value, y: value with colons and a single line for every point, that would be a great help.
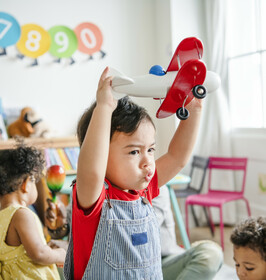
x: 151, y: 150
x: 135, y: 152
x: 249, y: 268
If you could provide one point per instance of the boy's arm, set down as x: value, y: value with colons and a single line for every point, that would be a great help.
x: 94, y: 151
x: 181, y: 145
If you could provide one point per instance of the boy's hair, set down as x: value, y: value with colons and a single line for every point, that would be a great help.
x: 251, y: 233
x: 126, y: 118
x: 16, y: 165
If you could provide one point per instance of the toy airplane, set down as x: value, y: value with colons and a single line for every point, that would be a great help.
x: 185, y: 78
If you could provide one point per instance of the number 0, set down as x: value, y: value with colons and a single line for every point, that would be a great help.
x: 87, y: 34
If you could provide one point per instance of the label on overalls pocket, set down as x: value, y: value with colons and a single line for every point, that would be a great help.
x: 139, y: 238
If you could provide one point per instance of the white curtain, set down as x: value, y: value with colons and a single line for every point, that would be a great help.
x: 215, y: 137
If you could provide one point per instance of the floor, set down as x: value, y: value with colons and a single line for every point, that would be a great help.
x: 227, y: 272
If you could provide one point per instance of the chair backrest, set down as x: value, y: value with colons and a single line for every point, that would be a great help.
x: 228, y: 163
x: 198, y: 162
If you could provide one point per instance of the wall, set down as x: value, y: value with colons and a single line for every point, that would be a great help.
x: 61, y: 92
x: 251, y: 144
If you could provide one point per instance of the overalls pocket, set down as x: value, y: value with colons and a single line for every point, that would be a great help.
x: 132, y: 243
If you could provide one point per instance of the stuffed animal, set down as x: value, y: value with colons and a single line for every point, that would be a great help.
x: 21, y: 127
x: 29, y: 124
x: 40, y: 127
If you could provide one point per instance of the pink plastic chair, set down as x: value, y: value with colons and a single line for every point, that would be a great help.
x: 215, y: 197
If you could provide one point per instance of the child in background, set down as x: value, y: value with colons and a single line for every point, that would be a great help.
x: 249, y: 240
x: 24, y: 253
x: 115, y: 234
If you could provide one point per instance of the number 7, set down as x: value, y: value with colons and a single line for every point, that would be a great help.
x: 8, y: 26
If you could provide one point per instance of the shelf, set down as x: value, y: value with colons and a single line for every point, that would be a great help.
x: 70, y: 141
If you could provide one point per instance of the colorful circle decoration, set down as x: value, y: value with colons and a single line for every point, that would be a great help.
x: 90, y: 38
x: 64, y: 41
x: 34, y: 41
x: 9, y: 30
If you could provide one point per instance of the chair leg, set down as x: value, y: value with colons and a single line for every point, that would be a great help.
x: 194, y: 216
x: 209, y: 220
x: 221, y: 227
x: 186, y: 209
x: 248, y: 208
x: 179, y: 218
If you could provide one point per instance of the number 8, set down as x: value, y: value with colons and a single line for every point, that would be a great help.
x: 33, y: 42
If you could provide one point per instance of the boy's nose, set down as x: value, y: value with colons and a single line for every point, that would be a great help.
x: 241, y: 272
x: 146, y: 161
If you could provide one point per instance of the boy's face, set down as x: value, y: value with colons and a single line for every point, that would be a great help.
x: 249, y: 264
x: 131, y: 163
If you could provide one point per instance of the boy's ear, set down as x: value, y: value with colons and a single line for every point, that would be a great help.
x: 24, y: 185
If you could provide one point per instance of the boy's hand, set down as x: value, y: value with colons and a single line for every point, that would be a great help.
x: 195, y: 105
x: 104, y: 92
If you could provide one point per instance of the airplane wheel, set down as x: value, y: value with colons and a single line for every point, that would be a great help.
x: 182, y: 113
x: 199, y: 91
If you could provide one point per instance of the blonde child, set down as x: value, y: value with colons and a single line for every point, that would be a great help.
x: 249, y: 241
x: 24, y: 253
x: 115, y: 233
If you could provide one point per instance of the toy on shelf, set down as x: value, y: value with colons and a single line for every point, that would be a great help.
x: 185, y: 78
x: 29, y: 124
x: 21, y: 127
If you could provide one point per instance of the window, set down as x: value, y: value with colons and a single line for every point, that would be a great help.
x: 246, y: 38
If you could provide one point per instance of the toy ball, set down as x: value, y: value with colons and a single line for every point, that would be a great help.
x: 55, y: 178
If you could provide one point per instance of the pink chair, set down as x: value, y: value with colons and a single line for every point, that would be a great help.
x: 215, y: 197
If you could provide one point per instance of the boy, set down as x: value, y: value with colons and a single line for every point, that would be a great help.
x: 114, y: 233
x: 249, y: 240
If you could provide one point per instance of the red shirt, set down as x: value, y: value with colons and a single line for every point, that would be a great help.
x: 84, y: 227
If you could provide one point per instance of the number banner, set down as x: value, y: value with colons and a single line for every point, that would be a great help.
x: 64, y: 41
x: 34, y: 40
x: 9, y: 30
x: 89, y: 37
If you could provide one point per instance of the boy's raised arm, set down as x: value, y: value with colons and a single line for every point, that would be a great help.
x: 95, y: 147
x: 181, y: 145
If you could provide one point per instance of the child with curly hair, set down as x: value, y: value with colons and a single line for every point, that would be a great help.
x: 24, y: 253
x: 249, y: 240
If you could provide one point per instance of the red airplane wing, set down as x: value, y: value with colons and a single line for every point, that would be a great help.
x: 189, y: 48
x: 192, y: 73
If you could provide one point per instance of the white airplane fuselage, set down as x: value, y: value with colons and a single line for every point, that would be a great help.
x: 155, y: 86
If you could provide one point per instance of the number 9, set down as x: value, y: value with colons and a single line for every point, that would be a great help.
x: 64, y: 41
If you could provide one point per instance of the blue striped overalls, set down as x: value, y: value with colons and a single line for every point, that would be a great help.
x: 126, y: 245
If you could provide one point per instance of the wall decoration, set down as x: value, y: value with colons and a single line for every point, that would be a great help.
x: 90, y: 38
x: 33, y: 41
x: 64, y: 42
x: 9, y: 31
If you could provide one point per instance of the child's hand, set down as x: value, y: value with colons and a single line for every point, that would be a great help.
x: 55, y: 214
x: 195, y: 105
x: 104, y: 92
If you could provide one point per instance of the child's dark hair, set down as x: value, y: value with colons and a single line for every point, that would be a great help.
x: 16, y: 165
x: 126, y: 118
x: 251, y: 233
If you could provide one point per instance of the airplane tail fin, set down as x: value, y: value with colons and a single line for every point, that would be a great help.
x: 119, y: 78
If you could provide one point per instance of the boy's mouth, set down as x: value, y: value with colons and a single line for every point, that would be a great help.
x: 149, y: 176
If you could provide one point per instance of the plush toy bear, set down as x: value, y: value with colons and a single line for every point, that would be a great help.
x: 29, y: 124
x: 21, y: 127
